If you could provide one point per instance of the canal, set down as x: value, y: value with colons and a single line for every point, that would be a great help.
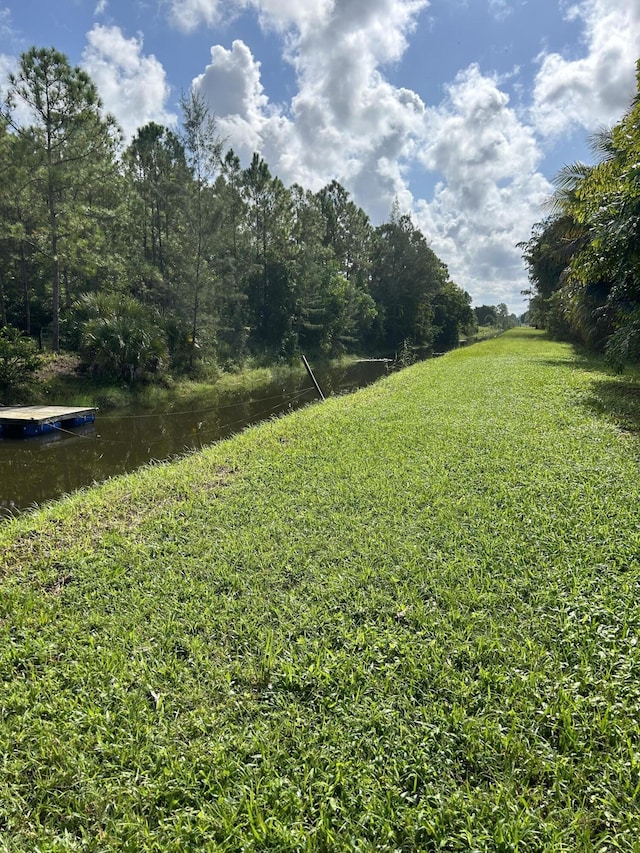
x: 36, y: 470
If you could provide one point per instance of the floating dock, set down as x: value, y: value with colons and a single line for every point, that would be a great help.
x: 26, y: 421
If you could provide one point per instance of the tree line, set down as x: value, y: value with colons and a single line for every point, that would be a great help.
x: 166, y: 252
x: 584, y: 258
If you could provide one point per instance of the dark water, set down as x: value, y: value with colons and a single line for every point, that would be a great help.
x: 36, y: 470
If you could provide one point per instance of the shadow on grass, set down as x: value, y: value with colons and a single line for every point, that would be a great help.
x: 612, y: 395
x: 582, y: 360
x: 618, y: 400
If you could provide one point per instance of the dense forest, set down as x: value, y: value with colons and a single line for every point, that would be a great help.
x: 166, y: 253
x: 584, y: 259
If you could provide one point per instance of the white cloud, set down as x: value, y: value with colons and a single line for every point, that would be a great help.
x: 8, y: 65
x: 132, y: 86
x: 20, y: 113
x: 280, y: 15
x: 231, y: 84
x: 500, y: 9
x: 491, y: 189
x: 346, y: 121
x: 101, y: 7
x: 596, y: 88
x: 187, y: 15
x: 5, y: 21
x: 284, y: 14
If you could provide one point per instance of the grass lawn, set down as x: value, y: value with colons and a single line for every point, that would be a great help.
x: 402, y: 620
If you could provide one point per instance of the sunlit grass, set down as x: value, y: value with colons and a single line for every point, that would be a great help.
x: 406, y: 619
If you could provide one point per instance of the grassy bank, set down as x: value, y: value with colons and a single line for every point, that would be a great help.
x: 401, y: 620
x: 60, y: 381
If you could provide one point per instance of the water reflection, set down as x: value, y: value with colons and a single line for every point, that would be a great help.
x: 40, y: 469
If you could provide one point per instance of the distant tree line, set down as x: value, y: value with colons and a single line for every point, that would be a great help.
x: 584, y: 259
x: 167, y: 252
x: 496, y: 316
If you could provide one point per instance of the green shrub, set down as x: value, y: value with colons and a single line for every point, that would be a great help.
x: 120, y: 338
x: 19, y: 358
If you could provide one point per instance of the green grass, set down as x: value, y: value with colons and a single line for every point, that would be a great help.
x: 59, y: 380
x: 402, y: 620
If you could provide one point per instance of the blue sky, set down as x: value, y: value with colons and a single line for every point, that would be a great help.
x: 463, y: 110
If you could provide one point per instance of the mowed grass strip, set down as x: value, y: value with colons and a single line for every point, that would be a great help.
x: 403, y: 620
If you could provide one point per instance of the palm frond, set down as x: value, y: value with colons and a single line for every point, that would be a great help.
x: 566, y: 183
x: 602, y: 145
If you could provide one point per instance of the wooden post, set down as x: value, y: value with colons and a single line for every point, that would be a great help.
x: 313, y: 378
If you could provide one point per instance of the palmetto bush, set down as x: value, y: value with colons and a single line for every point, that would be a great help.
x: 119, y: 337
x: 18, y: 358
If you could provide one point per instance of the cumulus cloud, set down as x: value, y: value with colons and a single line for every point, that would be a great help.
x: 187, y: 15
x: 596, y: 88
x: 349, y: 122
x: 132, y: 86
x: 285, y: 14
x: 490, y: 192
x: 346, y: 120
x: 231, y: 84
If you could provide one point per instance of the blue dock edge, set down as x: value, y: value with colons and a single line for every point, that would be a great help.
x: 30, y: 430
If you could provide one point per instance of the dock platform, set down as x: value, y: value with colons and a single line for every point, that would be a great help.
x: 28, y: 421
